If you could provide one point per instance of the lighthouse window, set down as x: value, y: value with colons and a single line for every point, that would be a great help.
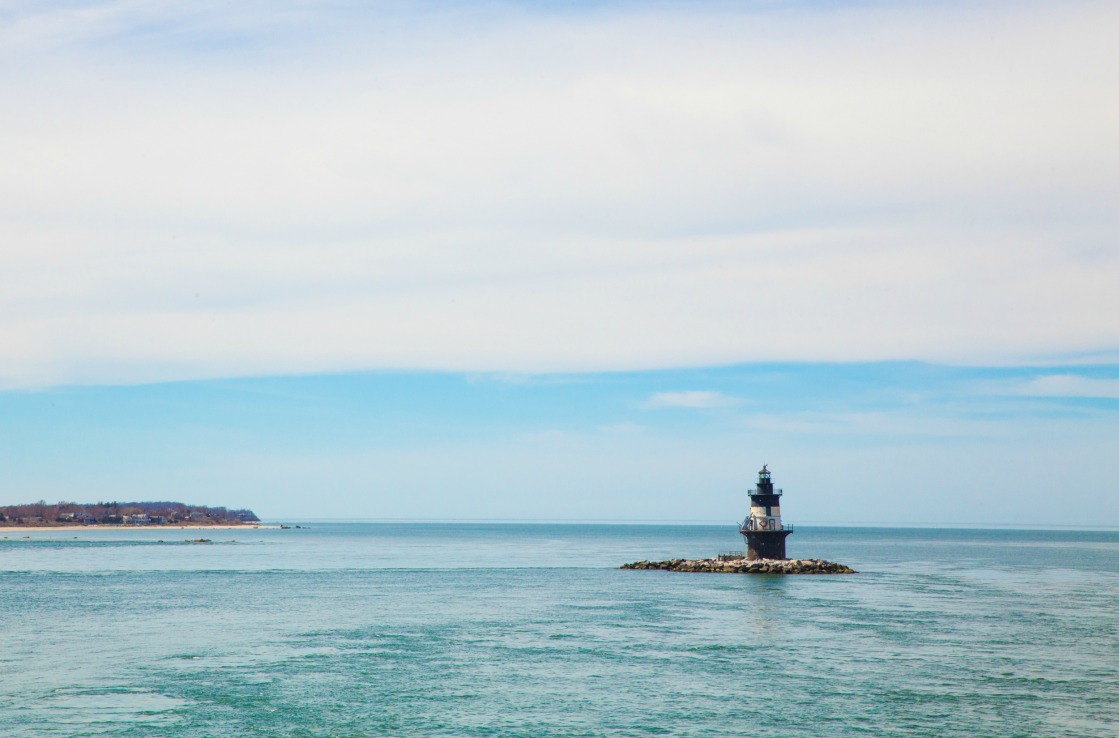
x: 768, y: 511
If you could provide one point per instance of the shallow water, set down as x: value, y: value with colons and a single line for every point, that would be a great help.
x: 525, y: 630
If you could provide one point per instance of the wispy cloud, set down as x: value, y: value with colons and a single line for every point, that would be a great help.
x: 695, y: 399
x: 625, y: 427
x: 1068, y: 385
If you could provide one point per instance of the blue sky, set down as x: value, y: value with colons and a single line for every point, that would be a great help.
x: 856, y: 443
x: 541, y: 260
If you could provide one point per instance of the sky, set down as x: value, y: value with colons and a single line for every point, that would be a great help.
x: 579, y: 261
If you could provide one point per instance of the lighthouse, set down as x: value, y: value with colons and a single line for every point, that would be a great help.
x: 763, y: 530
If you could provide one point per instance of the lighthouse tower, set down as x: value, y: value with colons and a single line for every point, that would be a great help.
x: 763, y: 530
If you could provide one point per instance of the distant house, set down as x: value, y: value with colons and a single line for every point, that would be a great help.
x: 198, y: 516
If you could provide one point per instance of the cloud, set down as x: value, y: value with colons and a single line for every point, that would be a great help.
x: 191, y: 192
x: 1069, y: 385
x: 624, y: 427
x: 695, y: 399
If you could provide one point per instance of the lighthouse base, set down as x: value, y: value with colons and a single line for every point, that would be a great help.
x: 765, y: 544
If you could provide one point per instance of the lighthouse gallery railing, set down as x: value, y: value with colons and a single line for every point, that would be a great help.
x: 748, y: 524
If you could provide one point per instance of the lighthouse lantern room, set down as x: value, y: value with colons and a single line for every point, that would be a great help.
x: 763, y: 530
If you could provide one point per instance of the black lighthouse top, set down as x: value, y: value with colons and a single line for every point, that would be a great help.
x: 765, y: 485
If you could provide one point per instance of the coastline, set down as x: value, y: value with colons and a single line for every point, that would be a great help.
x: 46, y: 528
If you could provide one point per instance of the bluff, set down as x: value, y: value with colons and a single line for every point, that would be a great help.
x: 121, y: 513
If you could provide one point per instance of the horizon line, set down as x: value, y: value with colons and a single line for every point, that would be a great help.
x: 709, y: 523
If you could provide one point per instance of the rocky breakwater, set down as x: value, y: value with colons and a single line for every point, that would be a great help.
x: 742, y: 566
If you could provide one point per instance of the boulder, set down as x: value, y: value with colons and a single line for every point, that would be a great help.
x: 741, y: 566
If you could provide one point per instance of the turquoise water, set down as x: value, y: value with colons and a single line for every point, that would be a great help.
x: 528, y: 630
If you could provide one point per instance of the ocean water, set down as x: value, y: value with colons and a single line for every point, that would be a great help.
x: 530, y: 630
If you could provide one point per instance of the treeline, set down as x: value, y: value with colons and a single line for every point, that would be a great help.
x: 121, y: 513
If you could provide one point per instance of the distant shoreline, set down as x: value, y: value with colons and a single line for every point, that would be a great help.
x: 98, y: 526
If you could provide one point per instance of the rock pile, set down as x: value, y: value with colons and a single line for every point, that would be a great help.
x: 742, y: 566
